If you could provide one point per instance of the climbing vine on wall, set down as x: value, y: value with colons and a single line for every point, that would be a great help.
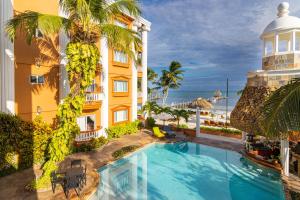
x: 83, y: 59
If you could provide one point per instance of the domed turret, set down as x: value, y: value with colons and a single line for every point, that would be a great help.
x: 281, y: 40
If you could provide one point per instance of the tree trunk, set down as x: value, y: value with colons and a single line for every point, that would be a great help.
x: 165, y: 96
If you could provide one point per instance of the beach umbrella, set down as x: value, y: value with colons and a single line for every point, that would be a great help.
x: 164, y: 117
x: 201, y: 103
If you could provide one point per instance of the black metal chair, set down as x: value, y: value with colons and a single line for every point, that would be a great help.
x: 72, y: 182
x: 56, y: 178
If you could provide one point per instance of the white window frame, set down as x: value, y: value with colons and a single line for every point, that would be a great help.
x: 84, y: 121
x: 38, y: 33
x: 123, y: 115
x: 120, y: 57
x: 37, y: 79
x: 121, y: 24
x: 116, y: 89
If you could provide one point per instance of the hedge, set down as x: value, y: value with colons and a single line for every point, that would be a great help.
x: 122, y: 129
x: 22, y: 143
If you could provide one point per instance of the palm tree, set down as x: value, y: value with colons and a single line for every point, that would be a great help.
x: 178, y: 114
x: 150, y: 107
x: 85, y: 22
x: 170, y: 79
x: 281, y: 112
x: 151, y: 77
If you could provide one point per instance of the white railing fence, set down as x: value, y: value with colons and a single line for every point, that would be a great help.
x: 89, y: 97
x: 88, y: 135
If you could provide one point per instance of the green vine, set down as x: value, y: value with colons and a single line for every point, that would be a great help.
x: 81, y: 68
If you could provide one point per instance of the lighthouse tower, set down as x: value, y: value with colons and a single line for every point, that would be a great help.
x: 281, y: 51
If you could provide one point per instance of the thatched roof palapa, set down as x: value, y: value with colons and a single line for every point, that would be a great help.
x: 201, y: 103
x: 247, y: 110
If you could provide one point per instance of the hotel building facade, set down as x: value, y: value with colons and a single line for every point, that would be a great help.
x: 34, y: 81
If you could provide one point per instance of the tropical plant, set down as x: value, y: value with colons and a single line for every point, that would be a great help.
x: 85, y: 22
x: 170, y: 79
x: 150, y: 107
x: 280, y: 114
x: 178, y: 114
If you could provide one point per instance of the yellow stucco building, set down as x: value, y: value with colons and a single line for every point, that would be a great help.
x: 33, y: 79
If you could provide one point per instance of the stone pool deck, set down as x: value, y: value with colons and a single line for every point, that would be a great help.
x: 13, y: 186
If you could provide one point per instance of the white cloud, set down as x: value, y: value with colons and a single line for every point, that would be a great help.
x: 215, y: 36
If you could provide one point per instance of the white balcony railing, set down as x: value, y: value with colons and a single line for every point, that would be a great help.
x: 92, y: 97
x: 88, y: 135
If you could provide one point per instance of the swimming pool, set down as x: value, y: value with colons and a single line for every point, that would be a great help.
x: 187, y: 171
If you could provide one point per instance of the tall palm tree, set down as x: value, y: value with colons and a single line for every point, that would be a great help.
x: 85, y: 22
x: 170, y: 79
x: 281, y: 112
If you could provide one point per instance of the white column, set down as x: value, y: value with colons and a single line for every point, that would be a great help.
x: 293, y: 41
x: 198, y: 122
x: 285, y: 152
x: 134, y: 85
x: 104, y: 107
x: 7, y: 67
x: 145, y: 64
x: 276, y: 43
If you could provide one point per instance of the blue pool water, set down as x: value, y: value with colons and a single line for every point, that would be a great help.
x: 187, y: 171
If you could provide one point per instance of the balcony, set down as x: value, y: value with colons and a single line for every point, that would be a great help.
x: 88, y: 135
x: 93, y: 97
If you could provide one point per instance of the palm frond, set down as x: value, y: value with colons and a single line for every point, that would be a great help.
x: 281, y: 112
x: 30, y: 21
x: 120, y: 38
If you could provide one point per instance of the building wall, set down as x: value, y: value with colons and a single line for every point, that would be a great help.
x: 39, y: 58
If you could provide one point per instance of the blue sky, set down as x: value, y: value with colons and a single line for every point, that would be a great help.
x: 213, y: 39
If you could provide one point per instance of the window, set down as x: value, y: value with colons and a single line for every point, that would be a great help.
x: 283, y: 45
x: 91, y: 88
x: 297, y: 42
x: 120, y: 86
x: 120, y: 116
x: 120, y: 56
x: 87, y: 123
x: 36, y: 79
x: 121, y: 24
x: 268, y: 47
x: 38, y: 33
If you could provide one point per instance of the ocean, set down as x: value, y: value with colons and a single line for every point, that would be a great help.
x: 178, y: 96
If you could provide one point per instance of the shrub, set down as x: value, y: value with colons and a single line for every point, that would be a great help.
x: 224, y: 130
x: 95, y: 143
x: 123, y: 151
x: 22, y: 143
x: 150, y: 122
x: 122, y: 129
x: 182, y: 126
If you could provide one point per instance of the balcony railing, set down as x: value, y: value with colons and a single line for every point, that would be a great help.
x: 88, y: 135
x: 92, y: 97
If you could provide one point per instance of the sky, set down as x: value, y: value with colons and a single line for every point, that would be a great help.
x: 212, y: 39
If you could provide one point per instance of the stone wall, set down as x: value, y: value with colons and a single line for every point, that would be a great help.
x: 278, y: 62
x: 245, y: 114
